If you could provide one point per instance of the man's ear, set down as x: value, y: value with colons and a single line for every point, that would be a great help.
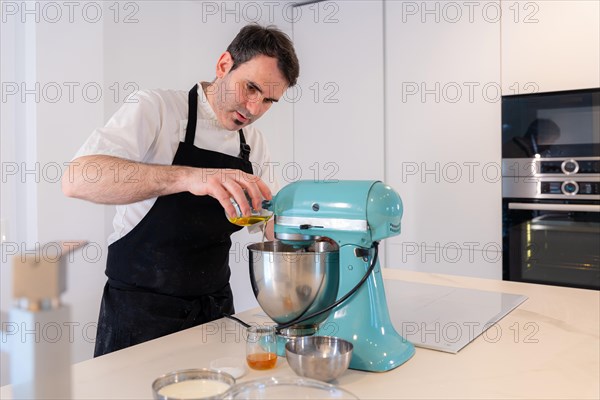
x: 224, y: 64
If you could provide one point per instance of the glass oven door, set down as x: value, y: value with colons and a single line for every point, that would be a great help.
x: 554, y: 243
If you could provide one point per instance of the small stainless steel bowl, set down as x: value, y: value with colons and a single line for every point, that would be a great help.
x: 319, y: 357
x: 192, y: 384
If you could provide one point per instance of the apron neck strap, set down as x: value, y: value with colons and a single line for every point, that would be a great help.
x: 190, y: 130
x: 244, y: 147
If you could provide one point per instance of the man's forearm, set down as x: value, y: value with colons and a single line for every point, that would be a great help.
x: 112, y: 180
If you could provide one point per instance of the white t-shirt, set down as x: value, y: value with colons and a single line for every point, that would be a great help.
x: 150, y: 130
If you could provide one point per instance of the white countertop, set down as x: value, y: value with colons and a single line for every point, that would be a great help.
x: 546, y: 348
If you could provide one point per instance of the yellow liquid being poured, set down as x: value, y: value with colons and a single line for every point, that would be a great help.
x: 264, y: 234
x: 247, y: 221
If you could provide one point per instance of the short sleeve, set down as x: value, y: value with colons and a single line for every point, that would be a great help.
x: 130, y: 132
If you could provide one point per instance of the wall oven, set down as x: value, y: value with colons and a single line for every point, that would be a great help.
x: 551, y: 188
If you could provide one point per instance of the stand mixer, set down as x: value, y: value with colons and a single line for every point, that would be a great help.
x: 322, y: 277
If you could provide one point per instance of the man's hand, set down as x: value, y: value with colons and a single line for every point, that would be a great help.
x: 222, y: 184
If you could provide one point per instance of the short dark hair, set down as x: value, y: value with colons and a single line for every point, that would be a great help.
x: 254, y: 40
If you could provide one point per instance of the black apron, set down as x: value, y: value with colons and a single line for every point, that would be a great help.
x: 171, y: 272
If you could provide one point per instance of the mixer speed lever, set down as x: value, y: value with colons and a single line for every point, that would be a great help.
x: 308, y: 226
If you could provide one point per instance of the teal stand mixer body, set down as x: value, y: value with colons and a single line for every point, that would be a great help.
x: 356, y: 215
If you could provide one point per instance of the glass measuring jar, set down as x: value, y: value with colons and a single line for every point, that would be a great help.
x: 256, y: 215
x: 261, y: 347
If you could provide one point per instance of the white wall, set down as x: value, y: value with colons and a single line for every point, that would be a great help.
x: 338, y: 118
x: 443, y: 135
x: 339, y: 107
x: 440, y: 149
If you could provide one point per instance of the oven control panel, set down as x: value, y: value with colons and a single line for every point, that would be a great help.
x: 577, y: 168
x: 569, y: 167
x: 551, y: 178
x: 569, y: 187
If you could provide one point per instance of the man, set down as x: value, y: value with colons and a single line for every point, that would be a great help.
x: 172, y: 162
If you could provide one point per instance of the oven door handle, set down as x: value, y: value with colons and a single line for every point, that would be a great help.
x: 554, y: 207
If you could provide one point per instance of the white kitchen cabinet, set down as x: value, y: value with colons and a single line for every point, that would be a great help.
x: 442, y: 63
x: 338, y: 102
x: 550, y: 45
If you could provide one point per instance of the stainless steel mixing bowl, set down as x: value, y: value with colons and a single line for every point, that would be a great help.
x: 319, y: 357
x: 289, y: 282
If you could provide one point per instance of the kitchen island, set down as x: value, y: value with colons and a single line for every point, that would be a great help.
x: 546, y: 348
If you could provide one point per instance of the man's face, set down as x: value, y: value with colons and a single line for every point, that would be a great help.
x: 242, y: 96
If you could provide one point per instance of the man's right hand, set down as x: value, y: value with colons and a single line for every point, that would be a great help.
x: 223, y: 184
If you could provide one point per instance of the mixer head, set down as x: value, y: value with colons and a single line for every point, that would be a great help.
x: 348, y: 212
